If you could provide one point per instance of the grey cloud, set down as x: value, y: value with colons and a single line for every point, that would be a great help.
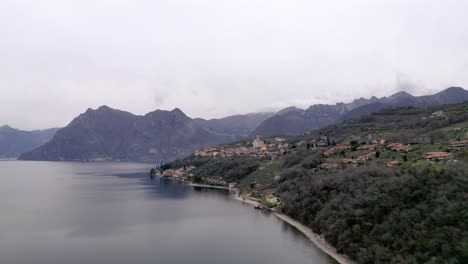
x: 213, y: 58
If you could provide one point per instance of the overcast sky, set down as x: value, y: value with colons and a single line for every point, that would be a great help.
x: 213, y: 58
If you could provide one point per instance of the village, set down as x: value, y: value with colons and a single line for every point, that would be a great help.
x: 356, y: 153
x: 275, y: 147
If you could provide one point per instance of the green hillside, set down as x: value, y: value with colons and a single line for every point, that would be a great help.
x: 390, y: 187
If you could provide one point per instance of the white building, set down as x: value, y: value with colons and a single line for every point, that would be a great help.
x: 258, y: 143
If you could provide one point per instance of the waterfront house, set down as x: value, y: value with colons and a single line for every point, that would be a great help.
x: 271, y: 199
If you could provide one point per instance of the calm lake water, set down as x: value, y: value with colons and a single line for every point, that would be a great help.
x: 54, y: 212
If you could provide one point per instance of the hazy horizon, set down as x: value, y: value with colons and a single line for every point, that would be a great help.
x: 218, y: 58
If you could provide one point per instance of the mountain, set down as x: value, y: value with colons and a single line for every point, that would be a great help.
x: 239, y: 126
x: 13, y: 141
x: 110, y: 134
x: 293, y: 121
x: 398, y: 201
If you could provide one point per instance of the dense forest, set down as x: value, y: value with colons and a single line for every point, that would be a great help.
x: 379, y: 215
x: 413, y: 212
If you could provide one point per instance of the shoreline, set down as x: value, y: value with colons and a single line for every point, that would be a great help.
x: 316, y: 239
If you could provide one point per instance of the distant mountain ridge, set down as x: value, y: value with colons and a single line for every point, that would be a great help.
x: 110, y: 134
x: 237, y: 125
x: 13, y: 141
x: 295, y: 122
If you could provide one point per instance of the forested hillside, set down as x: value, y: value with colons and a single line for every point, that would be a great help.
x: 390, y: 187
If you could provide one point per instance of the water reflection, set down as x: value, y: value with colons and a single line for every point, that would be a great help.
x: 114, y: 213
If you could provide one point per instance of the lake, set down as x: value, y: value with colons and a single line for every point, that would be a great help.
x: 61, y: 212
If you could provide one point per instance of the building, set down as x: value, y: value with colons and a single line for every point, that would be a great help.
x: 328, y: 166
x: 367, y: 156
x: 271, y: 199
x: 277, y: 176
x: 399, y: 147
x: 438, y: 114
x: 348, y: 161
x: 380, y: 141
x: 333, y: 150
x: 258, y: 143
x: 437, y: 156
x: 393, y: 163
x: 367, y: 147
x: 168, y: 173
x: 459, y: 144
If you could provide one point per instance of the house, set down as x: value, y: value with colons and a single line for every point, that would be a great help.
x: 459, y: 144
x: 271, y: 199
x: 380, y: 141
x: 168, y: 173
x: 327, y: 166
x: 393, y: 163
x: 321, y: 144
x: 215, y: 182
x: 438, y: 114
x: 333, y: 150
x: 258, y: 143
x: 398, y: 147
x: 279, y: 139
x: 348, y: 161
x: 277, y: 176
x: 367, y: 147
x: 367, y: 156
x: 202, y: 153
x: 437, y: 156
